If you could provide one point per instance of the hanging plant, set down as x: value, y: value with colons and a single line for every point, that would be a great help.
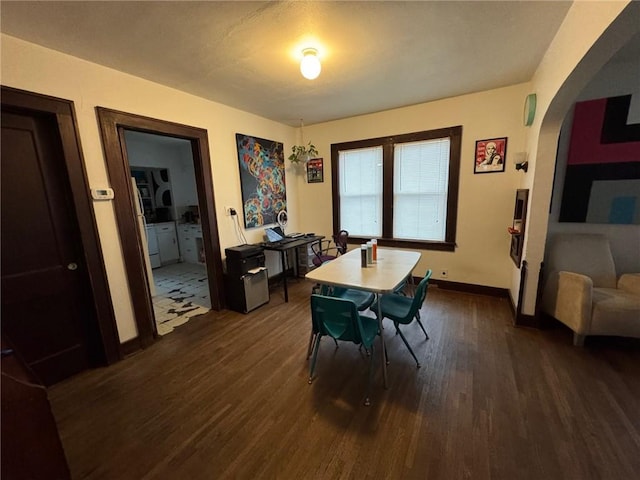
x: 302, y: 153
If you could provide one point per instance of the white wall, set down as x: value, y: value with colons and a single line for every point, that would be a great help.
x: 486, y: 201
x: 33, y: 68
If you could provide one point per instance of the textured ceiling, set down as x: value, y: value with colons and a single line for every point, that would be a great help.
x: 375, y: 55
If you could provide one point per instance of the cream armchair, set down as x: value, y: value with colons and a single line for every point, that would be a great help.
x: 582, y: 291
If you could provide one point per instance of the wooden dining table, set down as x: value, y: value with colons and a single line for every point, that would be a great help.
x: 390, y: 269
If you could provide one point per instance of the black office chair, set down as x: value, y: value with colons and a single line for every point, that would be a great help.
x: 326, y: 250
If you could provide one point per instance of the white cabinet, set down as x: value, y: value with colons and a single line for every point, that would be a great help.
x: 191, y: 245
x: 167, y: 242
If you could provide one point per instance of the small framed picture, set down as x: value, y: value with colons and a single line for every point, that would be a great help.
x: 314, y: 171
x: 491, y: 155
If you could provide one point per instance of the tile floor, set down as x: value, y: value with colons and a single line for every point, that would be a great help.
x: 182, y: 292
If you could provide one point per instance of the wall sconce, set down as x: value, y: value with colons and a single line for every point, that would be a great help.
x: 310, y: 65
x: 520, y: 159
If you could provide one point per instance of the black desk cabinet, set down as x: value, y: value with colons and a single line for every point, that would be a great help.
x: 246, y: 291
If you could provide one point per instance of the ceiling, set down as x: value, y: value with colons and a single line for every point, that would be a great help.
x: 375, y: 55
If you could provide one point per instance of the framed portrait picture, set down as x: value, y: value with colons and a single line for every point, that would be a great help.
x: 315, y: 173
x: 490, y: 155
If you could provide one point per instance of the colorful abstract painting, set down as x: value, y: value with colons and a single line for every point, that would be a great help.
x: 261, y: 179
x: 602, y: 181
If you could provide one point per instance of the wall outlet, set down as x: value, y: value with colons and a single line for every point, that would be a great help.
x: 444, y: 273
x: 230, y: 211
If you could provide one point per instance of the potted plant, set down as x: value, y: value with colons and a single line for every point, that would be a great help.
x: 302, y: 153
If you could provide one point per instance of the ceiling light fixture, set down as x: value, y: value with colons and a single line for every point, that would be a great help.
x: 310, y: 65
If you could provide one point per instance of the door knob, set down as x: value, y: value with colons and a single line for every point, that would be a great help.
x: 72, y: 266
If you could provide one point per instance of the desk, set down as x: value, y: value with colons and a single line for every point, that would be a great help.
x: 392, y: 267
x: 283, y: 247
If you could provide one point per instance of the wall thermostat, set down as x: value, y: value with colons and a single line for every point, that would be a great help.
x: 102, y: 193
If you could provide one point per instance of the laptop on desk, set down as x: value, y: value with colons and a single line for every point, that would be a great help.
x: 280, y: 232
x: 275, y: 236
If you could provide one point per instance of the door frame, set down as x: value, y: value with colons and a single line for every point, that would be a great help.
x: 104, y: 347
x: 112, y: 124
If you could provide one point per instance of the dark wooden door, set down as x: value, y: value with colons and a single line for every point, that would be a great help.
x: 46, y: 305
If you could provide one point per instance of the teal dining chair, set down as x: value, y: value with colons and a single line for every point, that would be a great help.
x: 403, y: 310
x: 339, y: 319
x: 362, y: 299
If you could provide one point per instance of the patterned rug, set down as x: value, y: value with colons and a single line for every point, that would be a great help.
x: 182, y: 292
x: 177, y: 309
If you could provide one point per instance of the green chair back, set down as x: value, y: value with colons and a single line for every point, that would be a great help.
x: 403, y: 310
x: 362, y: 299
x: 339, y: 318
x: 418, y: 297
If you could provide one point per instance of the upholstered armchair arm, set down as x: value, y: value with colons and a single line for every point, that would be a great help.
x: 630, y: 282
x: 574, y: 301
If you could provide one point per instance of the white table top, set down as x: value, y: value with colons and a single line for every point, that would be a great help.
x: 392, y: 267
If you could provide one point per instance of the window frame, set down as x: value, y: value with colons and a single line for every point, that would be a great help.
x: 387, y: 144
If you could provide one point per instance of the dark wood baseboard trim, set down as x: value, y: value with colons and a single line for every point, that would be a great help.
x: 519, y: 319
x: 471, y: 288
x: 522, y: 320
x: 130, y: 347
x: 514, y: 309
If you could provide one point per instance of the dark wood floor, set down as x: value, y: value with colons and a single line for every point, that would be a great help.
x: 226, y: 396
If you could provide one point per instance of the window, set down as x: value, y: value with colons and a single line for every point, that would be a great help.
x: 361, y: 191
x: 402, y: 190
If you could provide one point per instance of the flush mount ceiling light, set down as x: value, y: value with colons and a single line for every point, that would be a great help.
x: 310, y: 65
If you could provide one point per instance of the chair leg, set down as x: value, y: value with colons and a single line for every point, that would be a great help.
x: 408, y: 346
x: 312, y: 340
x: 421, y: 326
x: 367, y: 402
x: 312, y: 367
x: 386, y: 355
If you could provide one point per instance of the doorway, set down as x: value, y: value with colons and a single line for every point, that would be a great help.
x: 113, y: 126
x: 56, y: 309
x: 163, y: 175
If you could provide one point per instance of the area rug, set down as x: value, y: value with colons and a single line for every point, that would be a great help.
x: 175, y: 308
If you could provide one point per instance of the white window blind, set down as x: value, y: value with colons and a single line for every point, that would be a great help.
x: 361, y: 191
x: 421, y: 178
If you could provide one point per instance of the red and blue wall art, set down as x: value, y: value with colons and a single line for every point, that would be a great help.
x: 261, y: 179
x: 602, y: 181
